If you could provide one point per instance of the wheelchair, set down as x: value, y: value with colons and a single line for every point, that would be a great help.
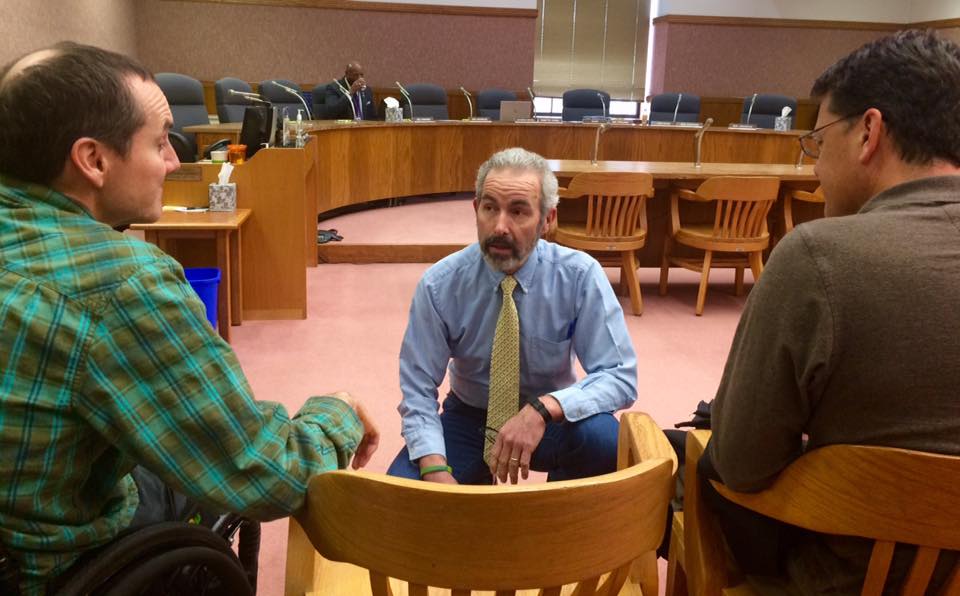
x: 169, y: 558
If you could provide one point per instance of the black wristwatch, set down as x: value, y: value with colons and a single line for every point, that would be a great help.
x: 541, y: 409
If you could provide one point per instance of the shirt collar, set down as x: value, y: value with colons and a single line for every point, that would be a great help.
x: 933, y: 189
x: 524, y: 275
x: 37, y: 193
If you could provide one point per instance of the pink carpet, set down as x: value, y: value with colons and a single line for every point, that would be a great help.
x: 357, y: 315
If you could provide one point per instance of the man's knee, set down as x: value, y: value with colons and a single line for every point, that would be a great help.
x: 402, y: 467
x: 596, y: 434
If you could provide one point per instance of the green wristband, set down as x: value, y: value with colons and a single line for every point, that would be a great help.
x: 431, y: 469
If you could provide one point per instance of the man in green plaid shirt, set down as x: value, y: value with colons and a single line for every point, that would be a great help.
x: 107, y: 361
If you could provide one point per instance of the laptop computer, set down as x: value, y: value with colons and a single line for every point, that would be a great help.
x: 511, y: 111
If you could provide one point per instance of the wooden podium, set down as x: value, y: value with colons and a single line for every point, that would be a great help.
x: 279, y: 238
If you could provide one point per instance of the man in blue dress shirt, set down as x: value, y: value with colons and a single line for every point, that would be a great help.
x: 566, y: 307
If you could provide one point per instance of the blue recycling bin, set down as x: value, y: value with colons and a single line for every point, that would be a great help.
x: 205, y: 282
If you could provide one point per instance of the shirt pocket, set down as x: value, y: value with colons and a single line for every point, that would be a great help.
x: 546, y: 358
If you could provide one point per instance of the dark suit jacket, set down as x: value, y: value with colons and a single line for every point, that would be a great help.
x: 338, y: 106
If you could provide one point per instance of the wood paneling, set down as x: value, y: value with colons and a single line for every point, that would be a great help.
x: 445, y: 9
x: 761, y: 22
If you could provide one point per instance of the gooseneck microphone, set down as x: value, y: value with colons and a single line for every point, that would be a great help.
x: 753, y: 100
x: 530, y: 93
x: 676, y: 108
x: 698, y: 138
x: 346, y: 93
x: 297, y: 95
x: 469, y: 101
x: 603, y: 104
x: 247, y: 95
x: 596, y: 141
x: 405, y: 96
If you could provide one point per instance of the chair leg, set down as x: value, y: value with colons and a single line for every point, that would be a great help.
x: 704, y: 278
x: 739, y: 281
x: 628, y: 275
x: 665, y: 264
x: 756, y: 265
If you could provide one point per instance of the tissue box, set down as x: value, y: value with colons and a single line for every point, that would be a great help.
x: 223, y: 197
x: 782, y: 123
x: 393, y: 114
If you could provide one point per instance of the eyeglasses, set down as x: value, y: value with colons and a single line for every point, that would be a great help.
x: 810, y: 143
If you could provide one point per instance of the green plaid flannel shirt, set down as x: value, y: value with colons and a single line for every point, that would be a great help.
x: 107, y: 360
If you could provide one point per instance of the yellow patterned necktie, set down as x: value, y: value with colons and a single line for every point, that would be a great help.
x: 504, y: 367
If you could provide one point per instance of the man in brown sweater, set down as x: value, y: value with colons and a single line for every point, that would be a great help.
x: 852, y: 335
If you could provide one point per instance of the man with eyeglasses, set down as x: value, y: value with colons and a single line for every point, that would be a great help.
x: 853, y: 333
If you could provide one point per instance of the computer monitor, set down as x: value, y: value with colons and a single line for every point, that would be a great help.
x: 511, y: 111
x: 259, y: 127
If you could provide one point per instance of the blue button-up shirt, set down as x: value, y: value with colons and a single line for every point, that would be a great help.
x: 566, y: 307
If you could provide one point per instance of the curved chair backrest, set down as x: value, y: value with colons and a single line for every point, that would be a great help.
x: 488, y: 102
x: 742, y: 204
x: 615, y: 205
x: 578, y: 103
x: 663, y: 107
x: 766, y: 108
x: 185, y: 96
x: 428, y: 100
x: 881, y: 493
x: 230, y: 108
x: 803, y: 196
x: 280, y: 98
x: 492, y: 537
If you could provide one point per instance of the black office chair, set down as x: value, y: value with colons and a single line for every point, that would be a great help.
x: 766, y: 108
x: 185, y: 96
x: 664, y: 105
x: 281, y: 98
x: 488, y: 102
x: 578, y: 103
x: 319, y: 95
x: 428, y: 100
x: 230, y: 108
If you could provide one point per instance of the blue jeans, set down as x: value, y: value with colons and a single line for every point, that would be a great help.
x: 568, y: 450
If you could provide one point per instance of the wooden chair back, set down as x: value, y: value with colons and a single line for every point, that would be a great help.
x: 500, y: 538
x: 616, y: 202
x: 742, y: 204
x: 885, y: 494
x: 799, y: 195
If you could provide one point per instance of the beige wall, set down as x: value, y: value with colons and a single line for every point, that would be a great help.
x: 29, y: 24
x: 311, y: 45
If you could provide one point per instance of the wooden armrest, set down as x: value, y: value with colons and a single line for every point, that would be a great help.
x: 807, y: 197
x: 564, y: 193
x: 641, y: 439
x: 690, y: 195
x: 708, y: 567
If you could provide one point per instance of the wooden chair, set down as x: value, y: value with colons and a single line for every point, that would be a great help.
x: 884, y: 494
x: 501, y: 538
x: 739, y: 226
x: 616, y: 220
x: 798, y: 195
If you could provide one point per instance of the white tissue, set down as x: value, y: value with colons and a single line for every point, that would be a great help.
x: 785, y: 111
x: 224, y: 176
x: 391, y: 102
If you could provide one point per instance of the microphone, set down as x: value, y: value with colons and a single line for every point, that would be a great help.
x: 603, y: 104
x: 750, y: 110
x: 346, y: 93
x: 676, y: 108
x: 249, y: 96
x: 699, y: 139
x: 406, y: 96
x: 469, y: 102
x: 530, y: 93
x: 297, y: 95
x: 596, y: 141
